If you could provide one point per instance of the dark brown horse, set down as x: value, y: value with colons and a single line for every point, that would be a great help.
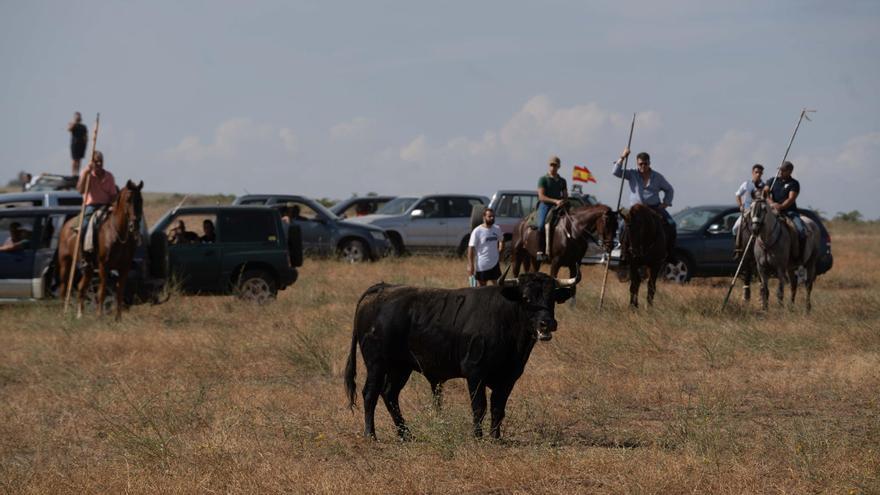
x: 573, y: 233
x: 644, y: 245
x: 117, y: 238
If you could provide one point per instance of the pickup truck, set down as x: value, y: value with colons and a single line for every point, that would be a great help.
x: 243, y: 250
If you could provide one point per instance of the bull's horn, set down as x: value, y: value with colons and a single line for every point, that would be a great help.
x: 500, y: 280
x: 508, y: 282
x: 566, y: 282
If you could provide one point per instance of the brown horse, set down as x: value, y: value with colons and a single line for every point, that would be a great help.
x: 645, y: 245
x: 573, y: 233
x: 117, y: 238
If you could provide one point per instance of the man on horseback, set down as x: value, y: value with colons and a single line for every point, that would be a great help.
x: 783, y: 196
x: 552, y: 191
x: 747, y: 191
x: 101, y: 190
x: 645, y: 186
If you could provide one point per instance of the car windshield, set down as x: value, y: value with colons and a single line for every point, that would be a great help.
x: 693, y: 219
x: 323, y: 209
x: 396, y: 206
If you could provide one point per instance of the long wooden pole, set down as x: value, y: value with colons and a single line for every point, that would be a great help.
x: 619, y: 197
x: 803, y: 116
x: 82, y: 211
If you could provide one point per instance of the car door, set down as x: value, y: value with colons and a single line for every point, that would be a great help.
x: 17, y: 264
x: 427, y: 224
x: 458, y: 215
x: 196, y: 265
x: 240, y: 235
x: 315, y: 228
x: 718, y: 241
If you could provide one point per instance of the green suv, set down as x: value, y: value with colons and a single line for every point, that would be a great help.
x: 244, y: 250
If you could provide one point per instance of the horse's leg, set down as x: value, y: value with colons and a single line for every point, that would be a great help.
x: 83, y: 288
x: 653, y: 271
x: 765, y: 288
x: 793, y: 280
x: 516, y: 261
x: 811, y: 277
x: 747, y: 279
x: 120, y: 291
x: 780, y: 292
x: 634, y: 282
x: 102, y: 287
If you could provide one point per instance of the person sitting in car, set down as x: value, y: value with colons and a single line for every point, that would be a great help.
x: 210, y: 234
x: 18, y: 238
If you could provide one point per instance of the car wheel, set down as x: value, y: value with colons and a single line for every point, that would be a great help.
x: 353, y: 251
x: 256, y: 286
x: 397, y: 246
x: 678, y: 270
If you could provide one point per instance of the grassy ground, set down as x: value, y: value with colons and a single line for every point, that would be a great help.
x: 204, y: 394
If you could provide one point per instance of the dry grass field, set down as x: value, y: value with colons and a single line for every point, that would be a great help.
x: 208, y: 395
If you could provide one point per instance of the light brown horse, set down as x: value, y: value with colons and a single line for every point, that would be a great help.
x: 773, y: 252
x: 644, y: 244
x: 118, y: 236
x: 573, y: 233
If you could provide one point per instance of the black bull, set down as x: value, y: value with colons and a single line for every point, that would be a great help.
x: 484, y: 335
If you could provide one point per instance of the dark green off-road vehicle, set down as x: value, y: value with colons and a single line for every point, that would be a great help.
x: 242, y: 250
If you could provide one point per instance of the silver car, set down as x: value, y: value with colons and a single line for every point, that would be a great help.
x: 436, y: 222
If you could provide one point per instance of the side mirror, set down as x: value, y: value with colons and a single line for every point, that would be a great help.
x: 417, y: 214
x: 716, y: 229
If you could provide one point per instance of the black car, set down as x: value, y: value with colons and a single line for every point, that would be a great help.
x: 704, y: 247
x: 323, y: 233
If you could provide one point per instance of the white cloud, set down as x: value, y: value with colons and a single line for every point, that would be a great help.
x: 352, y: 129
x: 416, y: 150
x: 290, y: 140
x: 231, y: 138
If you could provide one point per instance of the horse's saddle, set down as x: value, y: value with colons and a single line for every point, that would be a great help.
x: 553, y: 216
x: 90, y: 235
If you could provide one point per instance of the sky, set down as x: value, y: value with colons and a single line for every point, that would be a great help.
x: 331, y: 99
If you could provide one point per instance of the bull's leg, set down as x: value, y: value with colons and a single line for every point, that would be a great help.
x: 635, y: 280
x: 498, y: 406
x: 477, y: 390
x: 397, y: 378
x: 372, y: 389
x: 437, y: 393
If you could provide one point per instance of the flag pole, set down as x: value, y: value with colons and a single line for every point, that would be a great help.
x: 82, y: 210
x: 803, y: 116
x: 619, y: 196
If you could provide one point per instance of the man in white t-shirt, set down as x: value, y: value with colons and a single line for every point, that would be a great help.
x: 483, y: 250
x: 748, y: 191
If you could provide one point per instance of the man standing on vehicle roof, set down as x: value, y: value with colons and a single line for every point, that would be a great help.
x: 747, y: 191
x: 485, y: 244
x: 79, y: 138
x: 552, y: 191
x: 645, y: 186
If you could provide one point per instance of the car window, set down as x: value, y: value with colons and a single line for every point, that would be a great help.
x: 516, y: 205
x: 362, y: 207
x: 23, y: 204
x: 247, y: 226
x: 693, y: 219
x: 252, y: 202
x: 431, y: 207
x: 16, y: 233
x: 396, y: 206
x: 192, y: 228
x: 70, y: 201
x: 297, y: 210
x: 727, y: 222
x: 461, y: 207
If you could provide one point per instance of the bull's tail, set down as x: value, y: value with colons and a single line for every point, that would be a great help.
x: 351, y: 363
x: 351, y: 366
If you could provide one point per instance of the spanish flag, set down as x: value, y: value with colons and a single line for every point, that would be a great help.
x: 582, y: 174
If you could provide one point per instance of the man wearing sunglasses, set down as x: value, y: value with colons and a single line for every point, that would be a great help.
x: 645, y: 186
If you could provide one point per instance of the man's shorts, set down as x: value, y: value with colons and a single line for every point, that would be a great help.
x: 77, y: 151
x: 493, y: 273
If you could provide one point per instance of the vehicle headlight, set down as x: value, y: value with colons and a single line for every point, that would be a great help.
x: 378, y: 235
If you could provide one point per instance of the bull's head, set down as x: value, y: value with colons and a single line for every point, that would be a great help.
x: 538, y: 294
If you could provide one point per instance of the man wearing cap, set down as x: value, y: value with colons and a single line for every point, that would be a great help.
x: 783, y: 198
x: 747, y: 191
x: 552, y: 191
x: 645, y: 186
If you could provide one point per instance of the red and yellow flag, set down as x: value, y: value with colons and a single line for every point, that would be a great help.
x: 582, y: 174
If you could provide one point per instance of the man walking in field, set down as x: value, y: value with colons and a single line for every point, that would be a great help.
x: 79, y: 138
x: 484, y: 246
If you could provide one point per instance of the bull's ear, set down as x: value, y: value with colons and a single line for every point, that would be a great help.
x: 562, y: 294
x: 511, y: 292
